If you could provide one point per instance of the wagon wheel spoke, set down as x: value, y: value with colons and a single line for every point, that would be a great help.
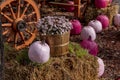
x: 29, y: 23
x: 29, y: 15
x: 28, y: 31
x: 10, y: 38
x: 18, y: 12
x: 7, y: 17
x: 25, y: 10
x: 11, y: 9
x: 6, y: 25
x: 5, y: 32
x: 15, y: 39
x: 22, y: 36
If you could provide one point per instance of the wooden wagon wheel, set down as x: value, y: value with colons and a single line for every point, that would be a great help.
x: 18, y: 21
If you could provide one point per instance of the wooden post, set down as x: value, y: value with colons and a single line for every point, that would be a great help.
x: 1, y: 51
x: 77, y: 8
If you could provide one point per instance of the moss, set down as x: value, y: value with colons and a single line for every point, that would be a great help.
x: 22, y: 57
x: 77, y: 49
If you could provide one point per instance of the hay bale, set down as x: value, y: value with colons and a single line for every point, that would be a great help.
x: 64, y: 68
x: 68, y: 67
x: 92, y: 12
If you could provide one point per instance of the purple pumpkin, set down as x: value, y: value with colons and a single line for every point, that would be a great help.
x: 101, y: 3
x: 101, y: 67
x: 104, y: 20
x: 71, y: 7
x: 77, y: 27
x: 39, y: 52
x: 97, y: 25
x: 117, y: 19
x: 87, y: 32
x: 91, y: 46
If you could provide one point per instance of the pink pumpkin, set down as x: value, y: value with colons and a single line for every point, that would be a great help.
x: 96, y: 25
x: 91, y: 46
x: 87, y: 32
x: 101, y: 3
x: 118, y: 78
x: 117, y: 19
x: 77, y: 27
x: 101, y: 67
x: 104, y: 20
x: 39, y: 52
x: 71, y: 7
x: 110, y: 1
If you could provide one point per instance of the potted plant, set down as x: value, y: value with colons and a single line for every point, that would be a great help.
x: 56, y: 31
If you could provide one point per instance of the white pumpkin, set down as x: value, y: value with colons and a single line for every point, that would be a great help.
x: 88, y: 32
x: 39, y: 52
x: 101, y: 67
x: 117, y: 19
x: 97, y: 25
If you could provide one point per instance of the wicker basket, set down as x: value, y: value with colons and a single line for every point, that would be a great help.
x: 58, y: 43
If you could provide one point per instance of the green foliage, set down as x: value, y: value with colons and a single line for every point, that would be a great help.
x: 76, y: 48
x: 7, y: 47
x: 22, y: 57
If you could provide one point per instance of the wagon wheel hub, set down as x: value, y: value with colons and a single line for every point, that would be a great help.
x: 19, y: 25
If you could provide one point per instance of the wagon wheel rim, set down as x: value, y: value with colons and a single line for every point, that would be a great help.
x: 20, y: 19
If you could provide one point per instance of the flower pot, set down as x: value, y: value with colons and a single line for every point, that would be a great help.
x: 58, y: 43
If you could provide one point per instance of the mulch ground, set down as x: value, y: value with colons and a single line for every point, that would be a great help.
x: 109, y: 51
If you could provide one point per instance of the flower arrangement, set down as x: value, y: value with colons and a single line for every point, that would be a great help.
x: 54, y: 25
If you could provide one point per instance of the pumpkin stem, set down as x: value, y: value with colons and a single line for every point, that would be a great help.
x: 43, y: 38
x: 43, y: 42
x: 89, y: 38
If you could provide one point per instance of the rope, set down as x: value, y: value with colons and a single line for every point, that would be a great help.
x: 60, y: 45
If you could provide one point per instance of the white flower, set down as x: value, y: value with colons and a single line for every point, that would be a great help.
x: 54, y: 25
